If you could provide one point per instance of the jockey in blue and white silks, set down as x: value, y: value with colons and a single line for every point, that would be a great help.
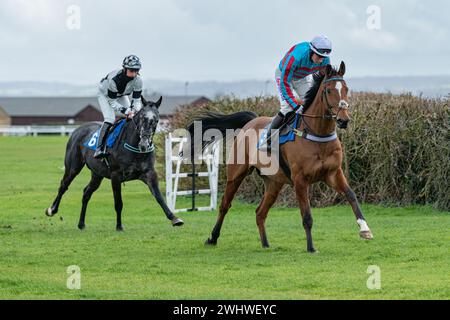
x: 294, y: 75
x: 113, y: 97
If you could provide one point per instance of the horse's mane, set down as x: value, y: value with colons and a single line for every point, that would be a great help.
x: 310, y: 95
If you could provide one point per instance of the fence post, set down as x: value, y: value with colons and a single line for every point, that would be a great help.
x: 168, y: 154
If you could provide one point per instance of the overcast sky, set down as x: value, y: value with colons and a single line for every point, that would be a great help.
x: 220, y: 40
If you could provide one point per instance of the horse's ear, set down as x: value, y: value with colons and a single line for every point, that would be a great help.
x: 158, y: 103
x: 329, y: 71
x: 144, y: 102
x: 341, y: 71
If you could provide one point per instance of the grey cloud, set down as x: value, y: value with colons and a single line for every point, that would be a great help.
x: 220, y: 40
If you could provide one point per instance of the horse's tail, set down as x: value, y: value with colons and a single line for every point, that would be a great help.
x: 221, y: 122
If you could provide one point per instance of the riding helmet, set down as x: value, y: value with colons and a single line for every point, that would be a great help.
x: 321, y: 45
x: 132, y: 62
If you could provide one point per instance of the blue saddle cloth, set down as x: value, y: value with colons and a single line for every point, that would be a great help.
x: 286, y: 136
x: 112, y: 136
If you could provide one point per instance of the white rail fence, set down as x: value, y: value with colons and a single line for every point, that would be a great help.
x: 56, y: 130
x: 210, y: 157
x: 36, y: 130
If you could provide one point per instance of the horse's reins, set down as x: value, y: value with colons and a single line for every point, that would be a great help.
x: 329, y: 116
x: 329, y: 106
x: 134, y: 149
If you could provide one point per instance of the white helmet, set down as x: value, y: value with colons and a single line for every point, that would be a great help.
x: 321, y: 45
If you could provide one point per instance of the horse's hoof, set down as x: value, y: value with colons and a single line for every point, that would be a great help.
x: 119, y: 228
x: 313, y: 251
x: 81, y: 226
x: 49, y: 212
x: 177, y: 222
x: 366, y: 235
x: 210, y: 242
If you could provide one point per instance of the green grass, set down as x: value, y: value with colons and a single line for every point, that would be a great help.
x: 153, y: 260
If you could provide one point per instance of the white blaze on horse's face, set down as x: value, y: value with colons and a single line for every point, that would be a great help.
x: 339, y: 88
x: 342, y: 102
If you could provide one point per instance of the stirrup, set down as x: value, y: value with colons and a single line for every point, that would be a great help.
x: 100, y: 154
x: 264, y: 145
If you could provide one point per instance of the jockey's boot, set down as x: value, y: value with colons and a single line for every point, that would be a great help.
x: 100, y: 151
x: 275, y: 125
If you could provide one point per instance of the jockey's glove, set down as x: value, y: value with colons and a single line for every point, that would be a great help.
x: 129, y: 111
x: 299, y: 109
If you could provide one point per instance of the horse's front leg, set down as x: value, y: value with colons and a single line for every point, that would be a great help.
x: 301, y: 191
x: 338, y: 182
x: 151, y: 179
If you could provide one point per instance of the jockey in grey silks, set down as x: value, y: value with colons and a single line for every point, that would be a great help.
x: 113, y: 97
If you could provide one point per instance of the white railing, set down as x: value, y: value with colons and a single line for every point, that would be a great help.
x: 36, y: 130
x: 210, y: 157
x: 60, y: 130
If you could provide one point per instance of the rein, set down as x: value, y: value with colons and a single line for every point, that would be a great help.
x: 329, y: 116
x: 307, y: 133
x: 137, y: 150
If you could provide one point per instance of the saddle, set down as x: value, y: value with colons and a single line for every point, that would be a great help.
x: 113, y: 134
x: 286, y: 133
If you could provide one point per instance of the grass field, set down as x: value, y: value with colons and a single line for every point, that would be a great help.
x: 153, y: 260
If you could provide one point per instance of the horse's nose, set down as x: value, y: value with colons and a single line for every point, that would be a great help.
x: 342, y: 124
x: 143, y: 147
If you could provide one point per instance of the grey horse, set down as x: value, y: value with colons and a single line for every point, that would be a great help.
x: 131, y: 158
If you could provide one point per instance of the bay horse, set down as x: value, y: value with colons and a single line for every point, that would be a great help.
x: 131, y: 158
x: 315, y: 154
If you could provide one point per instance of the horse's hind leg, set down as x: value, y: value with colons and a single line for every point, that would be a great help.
x: 235, y: 176
x: 73, y: 164
x: 273, y: 188
x: 93, y: 185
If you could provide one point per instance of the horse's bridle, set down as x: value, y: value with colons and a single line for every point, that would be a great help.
x: 141, y: 137
x: 329, y: 115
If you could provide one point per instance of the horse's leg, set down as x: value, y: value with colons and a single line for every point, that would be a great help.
x: 301, y: 190
x: 234, y: 180
x: 151, y: 179
x: 118, y: 204
x: 73, y: 164
x: 270, y: 196
x: 92, y: 186
x: 338, y: 182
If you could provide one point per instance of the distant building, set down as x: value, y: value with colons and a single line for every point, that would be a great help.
x: 48, y: 111
x: 73, y: 110
x: 5, y: 119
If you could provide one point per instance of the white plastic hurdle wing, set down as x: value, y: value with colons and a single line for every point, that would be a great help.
x: 211, y: 157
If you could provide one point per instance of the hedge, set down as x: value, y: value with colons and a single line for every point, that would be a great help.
x: 396, y: 149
